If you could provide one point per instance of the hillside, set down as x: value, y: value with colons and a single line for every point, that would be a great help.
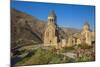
x: 25, y: 29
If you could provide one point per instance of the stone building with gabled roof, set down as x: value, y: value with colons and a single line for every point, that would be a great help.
x: 51, y: 36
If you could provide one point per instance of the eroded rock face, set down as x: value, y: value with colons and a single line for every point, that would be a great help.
x: 25, y: 29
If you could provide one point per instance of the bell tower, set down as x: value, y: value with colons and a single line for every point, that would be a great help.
x: 52, y: 18
x: 86, y: 34
x: 51, y: 32
x: 86, y: 27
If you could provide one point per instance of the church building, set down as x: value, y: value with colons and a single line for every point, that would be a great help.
x: 51, y: 37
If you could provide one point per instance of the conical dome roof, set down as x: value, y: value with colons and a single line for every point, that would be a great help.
x: 52, y: 14
x: 86, y: 23
x: 86, y: 26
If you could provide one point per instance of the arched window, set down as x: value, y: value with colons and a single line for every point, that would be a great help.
x: 50, y: 20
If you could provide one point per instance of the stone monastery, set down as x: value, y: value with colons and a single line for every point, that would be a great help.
x: 51, y: 34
